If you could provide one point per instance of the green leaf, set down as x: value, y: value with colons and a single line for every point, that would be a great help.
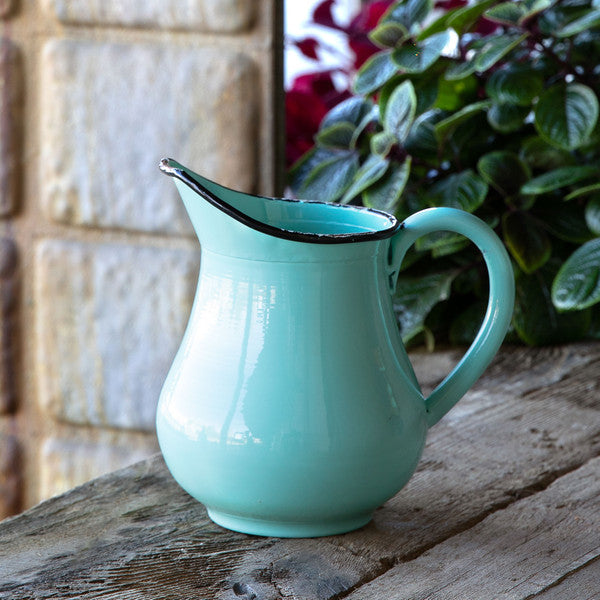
x: 454, y: 94
x: 452, y: 245
x: 565, y: 222
x: 583, y: 191
x: 551, y: 21
x: 416, y: 58
x: 465, y: 327
x: 590, y: 20
x: 528, y: 244
x: 440, y: 23
x: 460, y: 70
x: 302, y: 168
x: 468, y: 141
x: 338, y: 135
x: 425, y: 90
x: 507, y: 118
x: 577, y: 283
x: 421, y: 140
x: 516, y: 13
x: 592, y: 215
x: 426, y: 87
x: 376, y: 70
x: 408, y: 12
x: 445, y: 127
x: 539, y: 154
x: 558, y: 178
x: 386, y: 192
x: 330, y: 179
x: 369, y: 172
x: 536, y: 320
x: 351, y: 110
x: 509, y: 13
x: 441, y: 243
x: 387, y: 89
x: 566, y: 115
x: 514, y: 86
x: 416, y: 296
x: 535, y: 7
x: 370, y: 117
x: 503, y: 170
x: 381, y: 143
x: 466, y: 16
x: 400, y: 111
x: 465, y: 191
x: 388, y: 35
x: 496, y: 49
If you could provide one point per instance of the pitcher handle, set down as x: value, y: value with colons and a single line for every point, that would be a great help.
x: 500, y: 304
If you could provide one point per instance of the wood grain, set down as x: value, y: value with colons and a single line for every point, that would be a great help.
x: 529, y: 425
x: 514, y: 554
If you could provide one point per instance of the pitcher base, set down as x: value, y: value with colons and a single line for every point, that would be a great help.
x: 286, y: 529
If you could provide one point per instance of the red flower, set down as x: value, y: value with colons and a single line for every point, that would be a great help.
x: 450, y: 4
x: 306, y: 103
x: 358, y: 29
x: 312, y: 95
x: 308, y: 46
x: 361, y: 26
x: 369, y: 16
x: 322, y: 15
x: 484, y: 26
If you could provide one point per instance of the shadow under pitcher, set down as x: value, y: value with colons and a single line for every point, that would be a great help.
x: 291, y: 408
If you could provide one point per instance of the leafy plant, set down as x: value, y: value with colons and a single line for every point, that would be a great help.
x: 312, y: 94
x: 491, y: 107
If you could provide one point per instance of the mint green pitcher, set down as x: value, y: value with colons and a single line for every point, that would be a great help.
x: 291, y: 408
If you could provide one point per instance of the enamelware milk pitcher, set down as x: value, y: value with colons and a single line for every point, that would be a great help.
x: 291, y: 408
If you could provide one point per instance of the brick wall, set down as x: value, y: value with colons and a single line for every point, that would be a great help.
x: 98, y: 262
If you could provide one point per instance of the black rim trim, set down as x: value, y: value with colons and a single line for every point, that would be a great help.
x: 172, y: 168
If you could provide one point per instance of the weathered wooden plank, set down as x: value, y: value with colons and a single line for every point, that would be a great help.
x: 121, y: 535
x: 582, y: 584
x: 514, y: 554
x: 135, y: 534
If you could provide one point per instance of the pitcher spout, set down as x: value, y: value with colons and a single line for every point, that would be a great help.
x: 289, y: 219
x: 198, y: 188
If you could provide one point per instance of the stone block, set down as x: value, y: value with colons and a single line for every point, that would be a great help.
x: 218, y: 16
x: 10, y: 471
x: 10, y: 124
x: 109, y: 319
x: 110, y: 111
x: 65, y: 462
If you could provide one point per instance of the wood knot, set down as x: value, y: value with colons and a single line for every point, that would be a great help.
x: 243, y: 589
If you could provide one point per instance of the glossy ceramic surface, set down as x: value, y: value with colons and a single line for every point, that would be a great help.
x: 291, y: 408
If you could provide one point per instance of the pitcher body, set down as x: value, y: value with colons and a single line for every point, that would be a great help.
x: 283, y: 409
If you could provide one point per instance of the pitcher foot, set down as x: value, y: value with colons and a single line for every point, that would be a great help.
x: 287, y: 529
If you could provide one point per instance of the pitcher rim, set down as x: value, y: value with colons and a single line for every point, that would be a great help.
x: 172, y: 168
